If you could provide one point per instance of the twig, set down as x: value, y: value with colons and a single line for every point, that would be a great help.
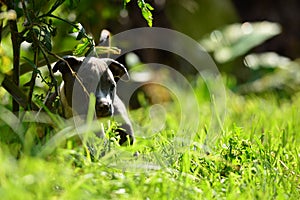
x: 53, y: 79
x: 32, y: 81
x: 16, y: 58
x: 72, y: 71
x: 91, y: 41
x: 1, y: 27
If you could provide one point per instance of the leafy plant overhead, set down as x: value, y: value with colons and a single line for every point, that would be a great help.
x: 35, y: 24
x: 237, y: 39
x: 146, y: 9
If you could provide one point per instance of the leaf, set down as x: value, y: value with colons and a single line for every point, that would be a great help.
x: 80, y: 34
x: 237, y: 39
x: 79, y: 29
x: 30, y: 62
x: 72, y: 3
x: 47, y: 39
x: 266, y: 60
x: 147, y: 15
x: 149, y: 6
x: 76, y: 28
x: 31, y: 34
x: 146, y: 11
x: 55, y: 6
x: 126, y: 2
x: 81, y: 49
x: 284, y: 75
x: 54, y: 31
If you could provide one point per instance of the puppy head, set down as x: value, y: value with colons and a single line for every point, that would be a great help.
x: 97, y: 76
x: 106, y: 72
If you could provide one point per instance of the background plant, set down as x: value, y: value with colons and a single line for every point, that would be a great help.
x: 35, y: 24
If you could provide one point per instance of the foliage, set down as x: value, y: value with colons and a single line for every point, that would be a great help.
x: 237, y: 39
x: 146, y: 9
x: 257, y: 158
x: 274, y: 72
x: 270, y: 71
x: 35, y: 24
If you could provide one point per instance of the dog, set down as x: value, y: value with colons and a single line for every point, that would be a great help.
x: 84, y: 75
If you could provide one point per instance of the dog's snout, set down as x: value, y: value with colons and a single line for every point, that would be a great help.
x: 103, y: 107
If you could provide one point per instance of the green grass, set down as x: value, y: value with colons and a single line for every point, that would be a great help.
x: 257, y: 157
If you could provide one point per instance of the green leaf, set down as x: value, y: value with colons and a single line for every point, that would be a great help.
x: 237, y: 39
x: 30, y: 62
x: 54, y: 31
x: 72, y: 3
x: 80, y: 35
x: 44, y: 36
x: 76, y: 29
x: 146, y: 11
x: 149, y: 6
x: 47, y: 40
x: 29, y: 36
x: 126, y: 2
x: 147, y: 15
x: 266, y: 60
x: 56, y: 5
x: 81, y: 49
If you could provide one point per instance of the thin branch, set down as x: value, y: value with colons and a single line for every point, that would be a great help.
x: 1, y: 28
x: 53, y: 79
x: 72, y: 71
x: 16, y: 58
x: 25, y: 11
x: 32, y: 81
x: 61, y: 19
x: 91, y: 41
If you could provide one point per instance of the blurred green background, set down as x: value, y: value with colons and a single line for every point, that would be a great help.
x: 254, y: 43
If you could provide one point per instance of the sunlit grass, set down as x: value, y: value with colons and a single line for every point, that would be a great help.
x: 257, y: 157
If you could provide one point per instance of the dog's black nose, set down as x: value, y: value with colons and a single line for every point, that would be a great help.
x: 103, y: 109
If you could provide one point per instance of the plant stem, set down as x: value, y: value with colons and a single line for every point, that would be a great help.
x: 32, y: 81
x: 56, y: 17
x: 16, y: 60
x: 1, y: 27
x: 53, y: 80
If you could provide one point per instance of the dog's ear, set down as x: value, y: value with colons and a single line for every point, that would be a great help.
x: 63, y: 67
x: 118, y: 70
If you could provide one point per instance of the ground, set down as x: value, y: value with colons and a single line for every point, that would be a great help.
x: 256, y: 157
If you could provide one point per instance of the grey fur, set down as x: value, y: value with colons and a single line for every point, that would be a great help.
x: 98, y: 76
